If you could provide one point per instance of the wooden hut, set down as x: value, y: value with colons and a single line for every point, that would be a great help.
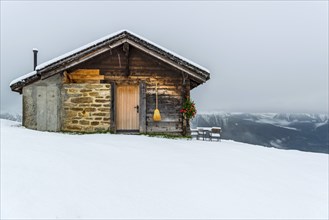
x: 110, y: 85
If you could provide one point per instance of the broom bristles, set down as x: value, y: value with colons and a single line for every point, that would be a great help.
x: 156, y: 115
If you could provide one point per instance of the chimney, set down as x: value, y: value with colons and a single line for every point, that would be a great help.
x: 35, y: 58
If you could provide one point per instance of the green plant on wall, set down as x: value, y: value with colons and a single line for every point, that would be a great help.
x: 188, y: 109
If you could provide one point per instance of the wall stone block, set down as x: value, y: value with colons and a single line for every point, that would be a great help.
x: 82, y: 100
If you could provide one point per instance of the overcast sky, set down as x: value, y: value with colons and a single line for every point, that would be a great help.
x: 264, y: 56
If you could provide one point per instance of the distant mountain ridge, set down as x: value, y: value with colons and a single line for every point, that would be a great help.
x: 306, y: 132
x: 11, y: 117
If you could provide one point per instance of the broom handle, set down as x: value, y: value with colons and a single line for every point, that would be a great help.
x: 156, y: 95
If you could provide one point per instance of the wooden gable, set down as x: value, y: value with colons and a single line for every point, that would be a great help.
x: 104, y: 46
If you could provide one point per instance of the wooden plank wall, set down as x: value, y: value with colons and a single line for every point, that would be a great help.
x: 83, y: 76
x: 147, y: 70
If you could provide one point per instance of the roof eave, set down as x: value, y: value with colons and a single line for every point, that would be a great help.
x: 199, y: 74
x: 18, y: 86
x: 50, y: 70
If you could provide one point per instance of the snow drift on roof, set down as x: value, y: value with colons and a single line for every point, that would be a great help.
x: 56, y: 59
x: 22, y: 78
x: 100, y: 40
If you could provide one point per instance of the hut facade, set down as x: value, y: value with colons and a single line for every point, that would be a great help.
x: 110, y: 85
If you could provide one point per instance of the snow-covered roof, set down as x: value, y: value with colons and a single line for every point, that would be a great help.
x: 77, y: 50
x: 170, y: 52
x: 129, y: 34
x: 22, y: 78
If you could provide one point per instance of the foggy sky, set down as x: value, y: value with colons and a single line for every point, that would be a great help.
x: 263, y: 56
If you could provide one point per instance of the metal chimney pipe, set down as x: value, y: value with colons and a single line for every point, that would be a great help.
x: 35, y: 58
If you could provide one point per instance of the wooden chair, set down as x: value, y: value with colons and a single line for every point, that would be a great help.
x: 215, y: 133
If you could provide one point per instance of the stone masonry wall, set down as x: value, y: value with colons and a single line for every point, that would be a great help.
x: 86, y: 107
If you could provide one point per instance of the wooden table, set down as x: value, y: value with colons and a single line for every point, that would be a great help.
x: 204, y: 132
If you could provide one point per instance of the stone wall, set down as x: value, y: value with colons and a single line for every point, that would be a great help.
x: 86, y: 107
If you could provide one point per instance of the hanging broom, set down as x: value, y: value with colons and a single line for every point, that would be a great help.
x: 156, y: 115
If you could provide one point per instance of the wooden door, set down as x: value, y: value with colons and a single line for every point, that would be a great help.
x: 127, y: 108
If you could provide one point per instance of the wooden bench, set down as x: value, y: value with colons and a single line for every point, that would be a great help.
x: 215, y: 133
x: 206, y: 133
x: 199, y: 133
x: 195, y: 133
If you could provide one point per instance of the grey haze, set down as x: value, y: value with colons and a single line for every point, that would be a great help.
x: 264, y: 56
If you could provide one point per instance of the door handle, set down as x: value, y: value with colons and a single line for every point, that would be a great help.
x: 137, y: 108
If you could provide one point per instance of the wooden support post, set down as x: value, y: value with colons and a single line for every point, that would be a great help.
x: 142, y: 107
x: 183, y: 100
x: 127, y: 54
x: 185, y: 93
x: 113, y: 108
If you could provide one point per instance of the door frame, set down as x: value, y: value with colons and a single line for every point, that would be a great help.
x: 115, y: 103
x: 142, y: 105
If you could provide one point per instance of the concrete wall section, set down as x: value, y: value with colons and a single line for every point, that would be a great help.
x: 41, y: 104
x: 29, y: 107
x: 41, y: 92
x: 53, y: 108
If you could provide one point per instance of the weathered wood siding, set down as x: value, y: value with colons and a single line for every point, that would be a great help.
x: 138, y: 68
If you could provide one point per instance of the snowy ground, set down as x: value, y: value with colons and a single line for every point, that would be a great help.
x: 54, y: 175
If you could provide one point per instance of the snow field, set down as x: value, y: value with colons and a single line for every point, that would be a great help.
x: 56, y: 175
